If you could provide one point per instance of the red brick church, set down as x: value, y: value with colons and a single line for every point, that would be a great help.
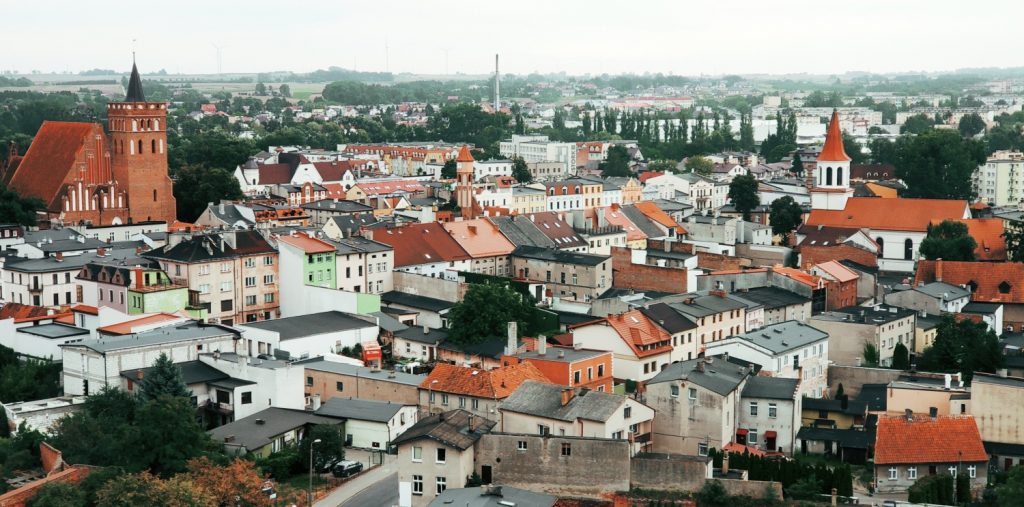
x: 84, y: 174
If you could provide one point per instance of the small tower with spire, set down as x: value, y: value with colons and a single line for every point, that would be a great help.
x: 138, y: 147
x: 464, y: 182
x: 831, y: 185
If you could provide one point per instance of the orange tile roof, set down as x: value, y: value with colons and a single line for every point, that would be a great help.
x: 837, y: 271
x: 479, y: 238
x: 372, y: 188
x: 985, y: 277
x: 637, y: 330
x: 615, y: 216
x: 833, y: 150
x: 50, y: 158
x: 91, y: 310
x: 129, y: 326
x: 21, y: 313
x: 988, y: 233
x: 804, y: 278
x: 421, y: 244
x: 650, y: 174
x: 734, y: 448
x: 652, y: 211
x: 882, y: 190
x: 464, y: 154
x: 307, y: 244
x: 890, y: 214
x: 495, y: 384
x: 946, y: 439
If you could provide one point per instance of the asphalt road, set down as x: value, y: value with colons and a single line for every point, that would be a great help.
x: 383, y: 493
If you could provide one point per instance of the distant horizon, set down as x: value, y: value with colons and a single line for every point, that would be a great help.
x: 699, y: 38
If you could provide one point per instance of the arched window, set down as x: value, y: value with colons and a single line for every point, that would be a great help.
x: 140, y: 146
x: 135, y: 126
x: 828, y: 176
x: 551, y: 191
x: 152, y: 145
x: 156, y: 124
x: 154, y: 195
x: 839, y: 176
x: 908, y: 249
x: 881, y: 246
x: 565, y: 190
x: 131, y: 147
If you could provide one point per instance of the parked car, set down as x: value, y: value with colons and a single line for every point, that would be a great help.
x: 329, y: 465
x: 347, y: 468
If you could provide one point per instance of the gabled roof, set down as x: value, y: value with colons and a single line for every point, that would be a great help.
x: 641, y: 334
x: 20, y: 312
x: 275, y: 174
x: 642, y: 221
x: 307, y: 244
x: 823, y: 235
x: 263, y: 427
x: 774, y: 297
x: 450, y: 428
x: 360, y: 410
x: 416, y: 244
x: 192, y: 372
x: 129, y: 326
x: 415, y: 301
x: 208, y: 247
x: 479, y: 238
x: 987, y: 280
x: 988, y: 234
x: 774, y: 388
x: 783, y: 337
x: 833, y: 150
x: 49, y: 159
x: 557, y: 229
x: 522, y: 231
x: 464, y: 154
x: 837, y: 271
x: 494, y: 384
x: 712, y: 373
x: 310, y: 325
x: 541, y: 399
x: 945, y: 439
x: 891, y: 214
x: 654, y: 212
x: 668, y: 318
x: 615, y: 216
x: 559, y: 256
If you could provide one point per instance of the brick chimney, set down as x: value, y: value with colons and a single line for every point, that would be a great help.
x: 542, y: 345
x: 567, y: 394
x: 59, y: 257
x: 938, y: 270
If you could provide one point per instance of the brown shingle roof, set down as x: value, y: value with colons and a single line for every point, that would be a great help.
x: 495, y: 384
x: 421, y: 244
x: 945, y: 439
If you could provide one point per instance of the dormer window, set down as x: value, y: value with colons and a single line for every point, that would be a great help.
x: 973, y: 286
x: 1004, y: 288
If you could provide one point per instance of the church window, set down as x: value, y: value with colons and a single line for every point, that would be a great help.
x: 828, y: 176
x: 908, y: 249
x: 156, y: 124
x: 131, y: 147
x: 839, y: 176
x: 140, y: 146
x: 135, y: 126
x: 152, y: 146
x: 154, y: 195
x: 881, y: 246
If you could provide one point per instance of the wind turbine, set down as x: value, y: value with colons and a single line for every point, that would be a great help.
x: 220, y: 69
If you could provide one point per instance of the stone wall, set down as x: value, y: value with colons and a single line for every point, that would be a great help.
x: 853, y: 377
x: 671, y: 472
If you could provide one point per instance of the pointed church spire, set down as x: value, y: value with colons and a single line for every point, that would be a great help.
x: 833, y: 150
x: 135, y: 85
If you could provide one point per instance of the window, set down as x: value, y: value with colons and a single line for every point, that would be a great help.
x: 247, y: 398
x: 268, y: 261
x: 203, y: 288
x: 442, y: 484
x: 972, y: 471
x: 417, y: 484
x: 753, y: 409
x: 543, y: 430
x: 627, y: 412
x: 892, y: 473
x: 439, y: 458
x: 617, y: 435
x: 912, y: 473
x: 908, y: 249
x: 268, y: 298
x: 417, y: 454
x: 566, y: 449
x: 692, y: 393
x: 702, y: 449
x: 600, y: 370
x: 339, y: 386
x: 226, y: 286
x: 462, y: 402
x: 773, y: 410
x: 309, y: 381
x: 673, y: 391
x: 476, y: 404
x: 250, y: 281
x: 250, y: 262
x: 576, y: 377
x: 752, y: 437
x: 226, y: 305
x: 444, y: 399
x: 250, y: 300
x: 521, y: 445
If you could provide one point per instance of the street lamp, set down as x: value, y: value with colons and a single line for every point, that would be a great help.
x: 311, y: 444
x: 430, y: 397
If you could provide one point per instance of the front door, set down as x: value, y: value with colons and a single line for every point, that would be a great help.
x: 485, y: 474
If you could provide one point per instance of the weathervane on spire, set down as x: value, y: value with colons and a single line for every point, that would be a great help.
x: 133, y: 51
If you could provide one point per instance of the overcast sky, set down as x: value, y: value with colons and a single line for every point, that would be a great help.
x: 687, y: 37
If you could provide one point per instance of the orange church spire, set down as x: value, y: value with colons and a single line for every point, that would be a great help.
x: 833, y: 150
x: 464, y: 154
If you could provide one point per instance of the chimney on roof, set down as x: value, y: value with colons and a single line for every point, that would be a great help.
x: 470, y: 422
x: 938, y: 270
x: 567, y: 394
x: 59, y: 257
x: 426, y: 329
x: 542, y: 345
x: 909, y: 414
x: 512, y: 345
x: 933, y: 412
x: 700, y: 365
x: 139, y: 375
x: 101, y: 252
x: 725, y: 464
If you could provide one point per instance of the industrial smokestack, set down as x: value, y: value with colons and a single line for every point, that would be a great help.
x: 497, y: 86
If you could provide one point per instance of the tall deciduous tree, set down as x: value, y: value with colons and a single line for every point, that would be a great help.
x: 485, y: 311
x: 700, y: 165
x: 938, y: 164
x: 785, y: 216
x: 520, y: 171
x: 971, y: 125
x: 949, y: 241
x: 743, y: 194
x: 195, y: 186
x: 15, y: 209
x: 164, y: 378
x: 900, y: 357
x: 449, y: 169
x: 962, y: 346
x: 238, y: 483
x: 1013, y: 234
x: 330, y: 448
x: 617, y: 163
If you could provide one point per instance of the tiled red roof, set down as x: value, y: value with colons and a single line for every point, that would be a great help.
x: 807, y: 279
x: 872, y: 171
x: 372, y: 188
x: 650, y: 174
x: 833, y: 150
x: 50, y: 158
x: 945, y: 439
x: 332, y: 171
x: 991, y: 282
x: 614, y: 216
x: 275, y: 174
x: 556, y: 228
x: 479, y: 237
x: 988, y: 233
x: 421, y: 244
x: 638, y: 331
x: 890, y: 214
x: 307, y: 244
x: 20, y: 312
x: 464, y: 154
x: 652, y: 211
x: 495, y: 384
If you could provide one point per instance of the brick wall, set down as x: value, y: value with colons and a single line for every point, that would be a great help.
x: 20, y: 496
x: 810, y: 255
x: 719, y: 262
x: 626, y: 275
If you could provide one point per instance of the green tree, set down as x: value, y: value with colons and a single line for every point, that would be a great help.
x: 700, y: 165
x: 853, y: 149
x: 331, y: 446
x: 617, y: 163
x: 163, y: 378
x: 962, y: 346
x: 520, y: 171
x: 917, y: 124
x: 938, y: 164
x: 900, y: 357
x: 871, y: 357
x: 949, y: 240
x: 661, y: 166
x: 15, y: 209
x: 261, y: 89
x: 285, y: 90
x: 798, y: 165
x: 971, y: 125
x: 450, y: 169
x: 713, y: 494
x: 485, y: 311
x: 165, y: 436
x: 785, y: 216
x: 1013, y: 234
x: 1010, y: 492
x: 806, y: 488
x: 743, y: 194
x: 839, y: 392
x: 58, y: 494
x: 932, y: 489
x: 195, y: 186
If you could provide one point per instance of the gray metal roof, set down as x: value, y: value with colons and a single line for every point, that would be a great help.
x: 338, y: 206
x: 417, y: 334
x: 563, y: 354
x: 522, y: 231
x: 360, y: 410
x: 784, y: 336
x: 559, y: 256
x: 773, y: 297
x: 192, y: 372
x: 943, y: 290
x: 775, y: 388
x: 696, y: 305
x: 388, y: 323
x: 357, y: 244
x: 321, y: 364
x: 719, y: 376
x: 263, y: 427
x: 415, y: 301
x: 642, y: 222
x: 450, y: 428
x: 474, y: 497
x: 124, y: 257
x: 301, y: 326
x: 544, y: 400
x: 668, y: 318
x: 187, y: 331
x: 53, y: 330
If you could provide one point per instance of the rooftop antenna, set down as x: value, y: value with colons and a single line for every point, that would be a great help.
x: 219, y: 66
x: 133, y: 51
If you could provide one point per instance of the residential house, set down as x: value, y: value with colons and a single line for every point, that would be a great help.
x: 437, y: 452
x: 836, y: 427
x: 475, y: 390
x: 485, y: 244
x: 327, y: 379
x: 819, y: 243
x: 134, y: 290
x: 697, y: 403
x: 234, y: 272
x: 311, y: 335
x: 370, y: 424
x: 551, y: 409
x: 568, y: 275
x: 779, y: 305
x: 640, y: 347
x: 789, y: 349
x: 842, y: 284
x: 51, y: 280
x: 934, y: 298
x: 988, y: 283
x: 554, y: 226
x: 268, y: 431
x: 953, y: 447
x: 570, y: 366
x: 430, y: 312
x: 770, y: 411
x: 363, y: 265
x: 322, y: 211
x: 347, y: 226
x: 424, y: 249
x: 997, y: 405
x: 418, y: 343
x: 716, y: 315
x: 682, y: 329
x: 226, y: 216
x: 851, y: 328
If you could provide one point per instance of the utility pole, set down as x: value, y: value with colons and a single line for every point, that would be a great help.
x: 311, y: 444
